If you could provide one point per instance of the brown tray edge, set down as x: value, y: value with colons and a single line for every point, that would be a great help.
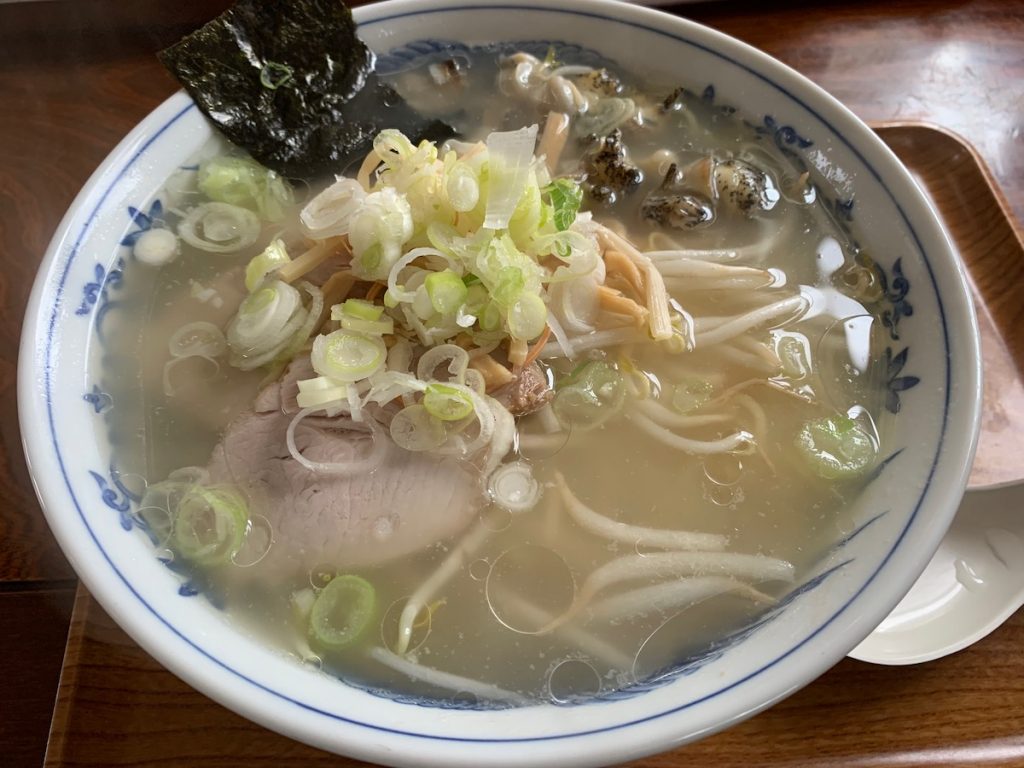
x: 967, y: 146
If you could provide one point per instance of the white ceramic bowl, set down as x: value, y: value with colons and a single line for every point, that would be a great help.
x: 933, y: 374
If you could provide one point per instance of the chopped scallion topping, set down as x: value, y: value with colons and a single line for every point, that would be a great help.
x: 243, y: 182
x: 836, y: 447
x: 446, y: 402
x: 274, y: 75
x: 362, y: 309
x: 342, y: 611
x: 691, y: 394
x: 591, y: 395
x: 348, y: 355
x: 566, y: 197
x: 272, y: 257
x: 446, y: 290
x: 210, y: 525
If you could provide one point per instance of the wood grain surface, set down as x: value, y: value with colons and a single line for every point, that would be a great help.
x: 76, y: 75
x: 33, y: 629
x: 117, y: 706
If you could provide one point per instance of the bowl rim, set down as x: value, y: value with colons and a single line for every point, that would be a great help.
x: 854, y: 134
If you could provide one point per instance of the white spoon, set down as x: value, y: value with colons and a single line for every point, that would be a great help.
x: 973, y: 584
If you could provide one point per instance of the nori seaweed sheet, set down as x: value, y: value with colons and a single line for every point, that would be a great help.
x: 290, y: 82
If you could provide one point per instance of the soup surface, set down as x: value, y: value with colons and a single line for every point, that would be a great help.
x: 530, y: 415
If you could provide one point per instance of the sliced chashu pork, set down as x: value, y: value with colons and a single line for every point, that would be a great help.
x: 409, y: 502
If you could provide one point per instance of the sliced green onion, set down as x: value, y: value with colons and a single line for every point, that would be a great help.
x: 414, y: 429
x: 510, y: 284
x: 590, y: 396
x: 794, y: 353
x: 513, y: 487
x: 272, y: 257
x: 156, y: 247
x: 527, y: 316
x: 330, y: 213
x: 510, y: 155
x: 456, y: 357
x: 421, y: 303
x: 258, y: 302
x: 348, y: 355
x: 446, y: 402
x: 377, y: 231
x: 157, y: 506
x: 362, y: 309
x: 446, y: 290
x: 462, y: 187
x: 529, y: 213
x: 608, y: 114
x: 363, y: 316
x: 315, y: 393
x: 265, y: 320
x: 341, y: 611
x: 210, y: 524
x: 274, y: 75
x: 392, y: 145
x: 243, y: 182
x: 219, y: 227
x: 198, y: 338
x: 476, y: 297
x: 566, y: 197
x: 490, y: 318
x: 691, y: 394
x: 387, y: 385
x: 302, y: 603
x: 836, y: 447
x: 380, y: 327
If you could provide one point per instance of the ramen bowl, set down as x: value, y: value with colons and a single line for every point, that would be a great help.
x: 930, y: 365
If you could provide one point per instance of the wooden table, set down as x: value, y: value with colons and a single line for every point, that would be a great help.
x: 76, y: 75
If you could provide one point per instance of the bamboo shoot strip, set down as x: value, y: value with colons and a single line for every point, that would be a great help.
x: 657, y: 295
x: 617, y: 263
x: 552, y: 142
x: 311, y: 259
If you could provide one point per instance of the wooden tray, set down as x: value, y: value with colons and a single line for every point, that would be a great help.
x: 978, y: 219
x: 117, y: 706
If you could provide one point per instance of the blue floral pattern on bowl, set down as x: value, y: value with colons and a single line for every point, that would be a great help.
x: 97, y: 291
x: 118, y: 497
x: 99, y: 400
x: 143, y: 221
